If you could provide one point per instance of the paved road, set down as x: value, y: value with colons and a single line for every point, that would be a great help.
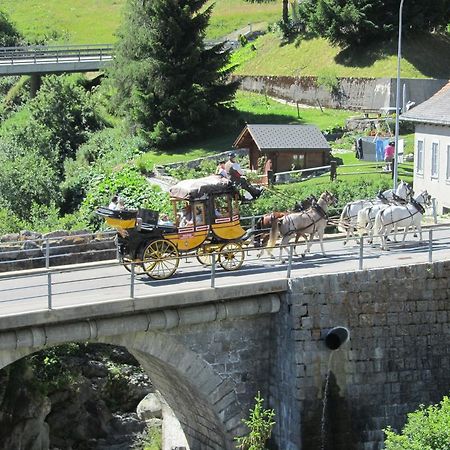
x: 103, y: 284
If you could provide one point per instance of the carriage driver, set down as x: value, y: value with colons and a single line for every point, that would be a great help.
x: 237, y: 176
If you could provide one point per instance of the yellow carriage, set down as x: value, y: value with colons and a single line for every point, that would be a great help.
x: 205, y: 220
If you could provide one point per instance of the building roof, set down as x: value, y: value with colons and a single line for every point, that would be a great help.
x: 284, y: 137
x: 435, y: 110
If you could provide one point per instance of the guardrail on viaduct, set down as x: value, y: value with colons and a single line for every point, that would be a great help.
x: 53, y: 59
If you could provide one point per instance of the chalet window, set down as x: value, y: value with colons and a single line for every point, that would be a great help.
x: 447, y: 175
x: 434, y: 160
x: 419, y: 166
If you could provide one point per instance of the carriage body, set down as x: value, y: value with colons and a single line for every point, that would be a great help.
x: 155, y: 247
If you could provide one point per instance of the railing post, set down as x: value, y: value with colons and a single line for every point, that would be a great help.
x: 132, y: 281
x: 289, y: 268
x: 430, y: 245
x: 49, y: 290
x: 361, y: 252
x: 213, y: 270
x: 433, y: 202
x: 47, y: 253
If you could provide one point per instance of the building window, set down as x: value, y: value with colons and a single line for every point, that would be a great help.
x: 419, y: 167
x: 434, y: 160
x: 447, y: 175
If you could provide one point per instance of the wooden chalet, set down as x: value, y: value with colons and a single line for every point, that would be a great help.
x: 289, y: 147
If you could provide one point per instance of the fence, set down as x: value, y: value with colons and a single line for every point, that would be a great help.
x: 333, y: 170
x: 123, y: 284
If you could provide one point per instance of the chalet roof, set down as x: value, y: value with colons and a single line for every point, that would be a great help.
x: 284, y: 137
x: 435, y: 110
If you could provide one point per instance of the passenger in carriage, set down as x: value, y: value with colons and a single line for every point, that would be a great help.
x: 198, y: 216
x: 186, y: 216
x: 113, y: 204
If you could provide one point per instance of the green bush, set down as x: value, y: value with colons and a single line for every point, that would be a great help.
x: 427, y: 428
x: 260, y: 424
x: 131, y: 186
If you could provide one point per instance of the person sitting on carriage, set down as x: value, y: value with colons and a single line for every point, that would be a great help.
x: 237, y: 176
x: 113, y: 203
x: 221, y: 169
x: 186, y: 216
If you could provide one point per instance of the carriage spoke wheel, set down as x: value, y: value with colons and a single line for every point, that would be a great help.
x: 160, y: 259
x: 204, y: 255
x: 138, y: 268
x: 231, y: 256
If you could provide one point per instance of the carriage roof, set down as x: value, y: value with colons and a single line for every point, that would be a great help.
x: 199, y: 188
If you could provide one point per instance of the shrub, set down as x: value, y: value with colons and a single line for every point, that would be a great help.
x: 260, y: 424
x: 427, y: 428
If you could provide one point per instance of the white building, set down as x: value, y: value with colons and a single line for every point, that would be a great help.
x: 432, y: 147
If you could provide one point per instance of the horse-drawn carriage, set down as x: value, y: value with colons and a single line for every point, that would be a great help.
x: 205, y: 221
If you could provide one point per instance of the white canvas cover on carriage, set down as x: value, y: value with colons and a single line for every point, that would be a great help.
x: 197, y: 188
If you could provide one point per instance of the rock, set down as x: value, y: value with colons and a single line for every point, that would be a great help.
x: 150, y: 407
x: 12, y: 237
x: 55, y: 234
x: 31, y: 245
x: 30, y: 235
x: 95, y: 369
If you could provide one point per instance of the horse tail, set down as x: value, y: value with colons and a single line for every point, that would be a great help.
x: 378, y: 223
x: 342, y: 220
x: 361, y: 221
x: 274, y: 231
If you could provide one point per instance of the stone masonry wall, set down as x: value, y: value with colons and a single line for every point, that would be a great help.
x: 397, y: 357
x: 350, y: 93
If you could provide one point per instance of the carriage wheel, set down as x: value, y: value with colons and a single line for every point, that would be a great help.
x: 160, y: 259
x: 231, y: 256
x: 138, y: 268
x: 204, y: 255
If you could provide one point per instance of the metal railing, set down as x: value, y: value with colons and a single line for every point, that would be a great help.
x: 38, y: 53
x: 134, y: 278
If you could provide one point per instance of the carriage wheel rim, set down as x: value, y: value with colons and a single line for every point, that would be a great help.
x: 163, y: 256
x: 231, y: 256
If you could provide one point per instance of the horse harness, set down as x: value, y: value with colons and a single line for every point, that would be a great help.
x: 419, y: 210
x: 316, y: 207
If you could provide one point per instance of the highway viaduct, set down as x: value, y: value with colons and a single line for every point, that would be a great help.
x: 208, y: 351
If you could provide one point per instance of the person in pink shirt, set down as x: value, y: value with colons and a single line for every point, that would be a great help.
x: 389, y: 152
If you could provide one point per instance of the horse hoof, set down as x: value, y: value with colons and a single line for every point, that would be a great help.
x: 302, y: 255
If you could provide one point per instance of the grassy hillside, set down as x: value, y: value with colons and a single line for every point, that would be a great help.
x: 424, y: 56
x: 88, y: 21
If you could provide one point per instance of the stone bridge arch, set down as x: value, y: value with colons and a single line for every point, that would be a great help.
x: 205, y: 402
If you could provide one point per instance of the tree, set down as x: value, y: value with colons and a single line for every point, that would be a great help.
x: 61, y: 117
x: 426, y: 429
x: 9, y: 36
x: 168, y: 85
x: 25, y: 180
x: 356, y: 22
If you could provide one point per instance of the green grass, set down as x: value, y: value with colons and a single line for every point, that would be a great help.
x: 252, y: 108
x: 423, y: 56
x: 96, y: 21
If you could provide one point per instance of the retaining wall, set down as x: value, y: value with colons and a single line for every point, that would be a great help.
x: 397, y: 358
x: 350, y: 93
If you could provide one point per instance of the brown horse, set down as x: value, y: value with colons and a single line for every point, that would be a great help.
x: 264, y: 224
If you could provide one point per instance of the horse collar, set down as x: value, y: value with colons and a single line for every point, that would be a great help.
x: 418, y: 206
x: 320, y: 210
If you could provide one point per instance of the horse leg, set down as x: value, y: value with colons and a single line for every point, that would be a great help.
x: 419, y: 229
x: 320, y: 234
x: 297, y: 237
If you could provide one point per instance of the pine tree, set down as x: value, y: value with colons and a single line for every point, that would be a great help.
x: 356, y: 22
x: 168, y: 84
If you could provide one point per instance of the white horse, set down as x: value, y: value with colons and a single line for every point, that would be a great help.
x: 305, y: 223
x: 348, y: 221
x: 366, y: 219
x: 409, y: 215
